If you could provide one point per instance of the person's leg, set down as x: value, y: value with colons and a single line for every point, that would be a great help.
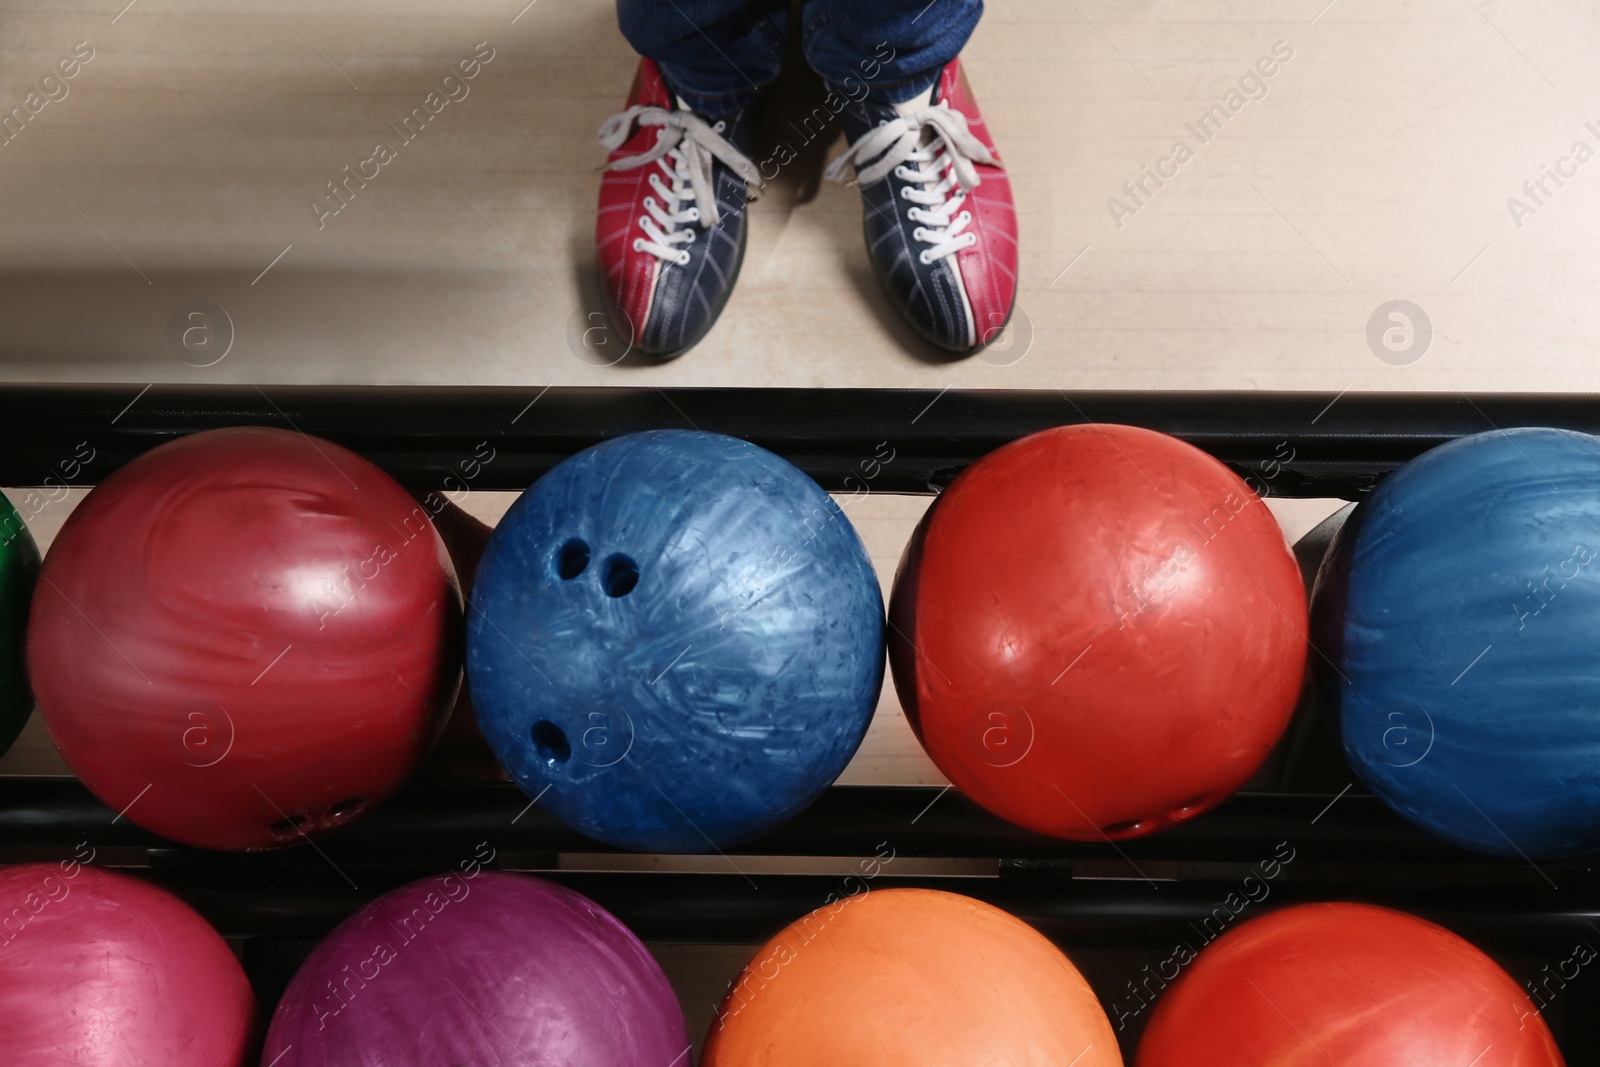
x: 940, y: 224
x: 893, y: 49
x: 715, y: 54
x: 670, y: 232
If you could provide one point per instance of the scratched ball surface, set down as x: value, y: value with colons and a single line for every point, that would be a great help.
x: 103, y: 970
x: 676, y: 641
x: 910, y: 978
x: 1459, y: 613
x: 479, y: 967
x: 245, y: 637
x: 1098, y: 632
x: 1349, y: 984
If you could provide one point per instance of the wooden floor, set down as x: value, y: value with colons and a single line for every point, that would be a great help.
x: 1440, y: 152
x: 184, y: 157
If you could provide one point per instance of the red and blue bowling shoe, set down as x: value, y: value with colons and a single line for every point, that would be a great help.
x: 940, y: 223
x: 671, y: 228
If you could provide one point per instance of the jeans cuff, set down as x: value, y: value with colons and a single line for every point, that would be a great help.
x: 898, y: 92
x: 892, y: 91
x: 711, y: 105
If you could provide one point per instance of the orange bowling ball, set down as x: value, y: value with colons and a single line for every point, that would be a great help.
x: 910, y: 978
x: 1098, y: 632
x: 1350, y: 984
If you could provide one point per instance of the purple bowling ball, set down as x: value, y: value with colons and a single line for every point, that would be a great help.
x: 485, y: 968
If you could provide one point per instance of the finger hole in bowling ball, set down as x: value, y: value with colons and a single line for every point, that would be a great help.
x: 347, y: 806
x: 1122, y: 827
x: 551, y: 742
x: 571, y: 559
x: 288, y: 825
x: 621, y: 575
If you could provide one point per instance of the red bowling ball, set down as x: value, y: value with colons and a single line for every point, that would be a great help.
x: 1098, y: 632
x: 1345, y: 984
x: 103, y: 970
x: 245, y: 638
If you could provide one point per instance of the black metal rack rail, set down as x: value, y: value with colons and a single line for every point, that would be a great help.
x: 1348, y: 847
x: 1117, y: 907
x: 1340, y: 444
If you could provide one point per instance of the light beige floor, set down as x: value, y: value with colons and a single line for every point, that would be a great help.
x: 183, y: 159
x: 181, y: 163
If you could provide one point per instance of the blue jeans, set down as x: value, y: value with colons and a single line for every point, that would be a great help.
x: 718, y: 54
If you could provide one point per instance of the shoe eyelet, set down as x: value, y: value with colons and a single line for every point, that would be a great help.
x: 649, y: 201
x: 692, y: 235
x: 925, y: 259
x: 720, y: 126
x: 694, y: 214
x: 905, y: 192
x: 638, y: 244
x: 683, y: 259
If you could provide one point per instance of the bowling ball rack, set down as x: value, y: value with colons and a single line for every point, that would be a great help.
x: 1117, y: 908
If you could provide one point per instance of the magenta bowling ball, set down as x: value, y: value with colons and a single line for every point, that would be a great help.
x: 479, y: 967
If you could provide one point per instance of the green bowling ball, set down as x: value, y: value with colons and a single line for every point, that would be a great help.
x: 19, y: 566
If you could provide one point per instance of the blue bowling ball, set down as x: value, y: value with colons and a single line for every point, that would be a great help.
x: 1456, y: 620
x: 676, y: 641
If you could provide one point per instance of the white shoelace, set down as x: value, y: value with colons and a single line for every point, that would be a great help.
x: 684, y: 151
x: 943, y: 168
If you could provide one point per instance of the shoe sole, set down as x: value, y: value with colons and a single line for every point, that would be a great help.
x: 932, y: 339
x: 667, y: 355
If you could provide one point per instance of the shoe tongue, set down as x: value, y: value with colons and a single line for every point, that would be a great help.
x: 910, y: 107
x: 915, y: 104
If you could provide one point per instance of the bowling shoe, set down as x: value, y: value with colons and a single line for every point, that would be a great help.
x: 670, y: 232
x: 940, y: 224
